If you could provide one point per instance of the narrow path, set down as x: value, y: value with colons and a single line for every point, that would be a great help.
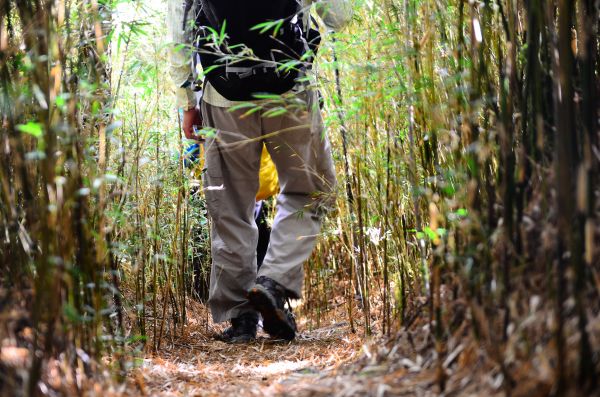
x: 327, y: 361
x: 196, y: 364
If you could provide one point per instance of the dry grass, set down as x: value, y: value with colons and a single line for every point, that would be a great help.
x: 327, y: 361
x: 333, y: 361
x: 197, y: 364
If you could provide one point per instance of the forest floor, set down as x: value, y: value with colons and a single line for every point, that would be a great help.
x: 330, y: 360
x: 326, y: 359
x: 194, y: 363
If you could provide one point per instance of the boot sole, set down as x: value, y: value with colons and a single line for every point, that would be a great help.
x: 275, y: 321
x: 235, y: 340
x: 242, y: 339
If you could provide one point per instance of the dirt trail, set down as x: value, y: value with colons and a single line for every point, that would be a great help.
x: 327, y: 361
x: 196, y: 364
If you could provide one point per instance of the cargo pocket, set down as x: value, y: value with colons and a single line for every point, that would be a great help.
x: 212, y: 179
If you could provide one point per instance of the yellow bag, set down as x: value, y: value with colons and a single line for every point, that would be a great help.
x: 268, y: 179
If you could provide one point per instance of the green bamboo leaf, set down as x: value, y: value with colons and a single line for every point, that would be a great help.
x: 266, y: 96
x: 244, y: 105
x: 31, y: 128
x: 431, y: 234
x: 279, y: 111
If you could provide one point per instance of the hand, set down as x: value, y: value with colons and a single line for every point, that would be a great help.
x: 191, y: 118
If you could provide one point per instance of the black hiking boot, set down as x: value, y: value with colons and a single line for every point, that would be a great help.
x: 268, y: 298
x: 242, y: 330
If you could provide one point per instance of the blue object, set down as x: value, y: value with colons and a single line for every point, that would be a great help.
x: 191, y: 155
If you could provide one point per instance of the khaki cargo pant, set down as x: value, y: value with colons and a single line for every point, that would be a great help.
x: 302, y: 155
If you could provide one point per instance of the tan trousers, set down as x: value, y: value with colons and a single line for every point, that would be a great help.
x: 301, y: 152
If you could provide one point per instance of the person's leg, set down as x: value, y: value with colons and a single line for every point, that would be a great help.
x: 302, y: 154
x: 264, y: 233
x: 231, y: 183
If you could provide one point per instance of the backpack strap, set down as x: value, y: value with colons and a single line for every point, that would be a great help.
x: 244, y: 72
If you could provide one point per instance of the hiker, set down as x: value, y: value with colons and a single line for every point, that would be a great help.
x: 241, y: 61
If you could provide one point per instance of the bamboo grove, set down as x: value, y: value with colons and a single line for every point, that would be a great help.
x: 465, y: 135
x: 471, y: 129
